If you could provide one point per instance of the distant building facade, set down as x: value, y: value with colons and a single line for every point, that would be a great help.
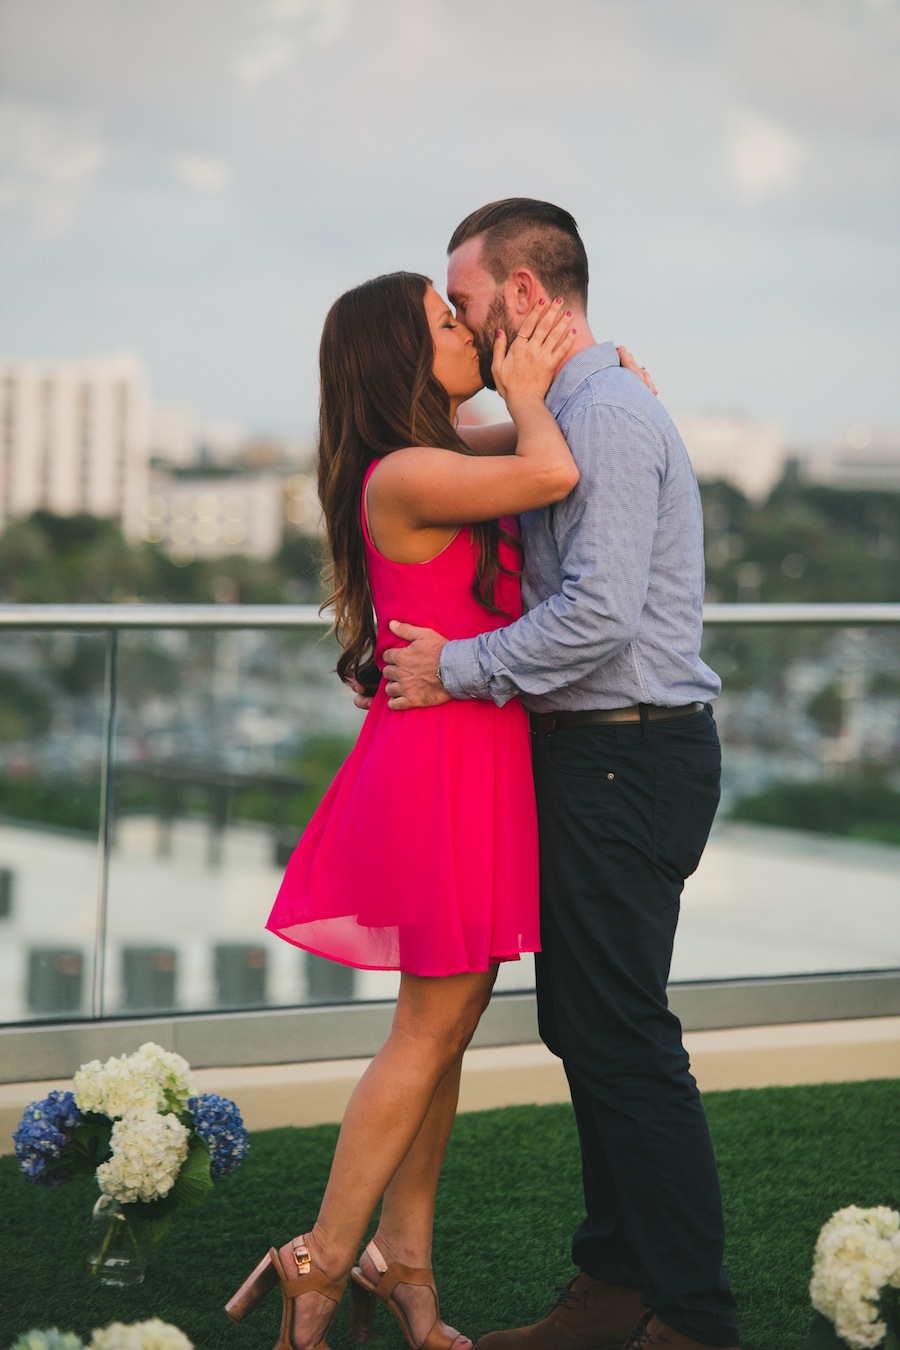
x: 180, y: 438
x: 74, y: 437
x: 735, y: 449
x: 868, y: 461
x: 82, y: 437
x: 211, y: 515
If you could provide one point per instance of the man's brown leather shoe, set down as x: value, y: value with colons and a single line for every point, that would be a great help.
x: 652, y: 1334
x: 588, y: 1315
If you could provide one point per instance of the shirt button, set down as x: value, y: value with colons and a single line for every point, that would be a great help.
x: 610, y: 775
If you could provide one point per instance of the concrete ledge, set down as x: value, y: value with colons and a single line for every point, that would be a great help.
x: 808, y: 1052
x: 271, y: 1095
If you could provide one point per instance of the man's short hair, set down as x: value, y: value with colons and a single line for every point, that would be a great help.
x: 524, y: 232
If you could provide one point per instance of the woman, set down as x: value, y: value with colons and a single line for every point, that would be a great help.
x: 422, y: 857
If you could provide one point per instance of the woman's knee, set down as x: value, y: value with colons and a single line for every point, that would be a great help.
x: 473, y: 1008
x: 441, y: 1016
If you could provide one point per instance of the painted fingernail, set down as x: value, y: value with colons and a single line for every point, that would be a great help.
x: 568, y: 314
x: 558, y: 300
x: 541, y: 301
x: 498, y: 332
x: 574, y: 331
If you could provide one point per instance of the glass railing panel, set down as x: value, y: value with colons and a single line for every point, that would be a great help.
x: 225, y: 740
x: 802, y: 872
x: 225, y: 743
x: 52, y: 732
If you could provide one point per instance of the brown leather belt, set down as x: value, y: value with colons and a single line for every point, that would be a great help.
x: 585, y: 717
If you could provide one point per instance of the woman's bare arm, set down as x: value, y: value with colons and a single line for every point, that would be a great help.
x: 423, y: 489
x: 498, y: 438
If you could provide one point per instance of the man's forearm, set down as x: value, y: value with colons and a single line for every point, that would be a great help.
x: 553, y: 645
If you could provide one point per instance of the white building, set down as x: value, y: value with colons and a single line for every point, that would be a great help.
x: 178, y: 437
x: 81, y: 436
x: 173, y: 435
x: 750, y: 455
x: 868, y: 460
x: 303, y: 508
x: 74, y: 437
x: 211, y: 515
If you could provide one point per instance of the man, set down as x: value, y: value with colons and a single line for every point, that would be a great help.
x: 626, y: 762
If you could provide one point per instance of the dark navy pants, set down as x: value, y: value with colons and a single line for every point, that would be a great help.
x: 625, y: 811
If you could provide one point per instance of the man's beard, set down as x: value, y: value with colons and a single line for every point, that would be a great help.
x: 498, y: 316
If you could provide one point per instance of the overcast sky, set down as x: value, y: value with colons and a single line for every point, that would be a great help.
x: 196, y: 180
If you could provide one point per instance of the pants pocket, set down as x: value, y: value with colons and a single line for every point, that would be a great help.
x: 685, y: 807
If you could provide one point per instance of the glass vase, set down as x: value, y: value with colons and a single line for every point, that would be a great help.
x: 118, y: 1244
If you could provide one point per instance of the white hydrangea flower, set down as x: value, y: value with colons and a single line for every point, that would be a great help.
x: 857, y: 1254
x: 152, y: 1079
x: 171, y: 1072
x: 148, y: 1150
x: 152, y: 1335
x: 115, y: 1089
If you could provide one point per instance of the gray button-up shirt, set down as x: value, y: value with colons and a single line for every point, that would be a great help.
x: 613, y: 580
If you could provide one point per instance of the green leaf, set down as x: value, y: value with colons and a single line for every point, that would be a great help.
x: 822, y: 1336
x: 889, y: 1312
x: 149, y: 1220
x: 193, y: 1180
x: 151, y: 1211
x: 159, y: 1227
x: 69, y: 1159
x: 91, y: 1139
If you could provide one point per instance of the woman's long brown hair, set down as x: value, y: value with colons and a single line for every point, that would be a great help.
x: 378, y: 394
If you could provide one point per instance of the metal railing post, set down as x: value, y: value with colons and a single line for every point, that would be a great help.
x: 107, y: 785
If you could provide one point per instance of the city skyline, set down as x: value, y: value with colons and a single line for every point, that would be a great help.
x: 196, y: 182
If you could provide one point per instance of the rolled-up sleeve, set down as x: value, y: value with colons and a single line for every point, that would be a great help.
x: 603, y: 535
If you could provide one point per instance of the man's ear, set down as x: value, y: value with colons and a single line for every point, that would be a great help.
x: 523, y: 289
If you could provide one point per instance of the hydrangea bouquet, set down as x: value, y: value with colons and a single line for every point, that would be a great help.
x: 856, y: 1281
x: 152, y: 1335
x: 138, y: 1123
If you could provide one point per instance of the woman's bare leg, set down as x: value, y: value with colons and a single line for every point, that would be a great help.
x: 407, y: 1210
x: 433, y: 1023
x: 406, y: 1222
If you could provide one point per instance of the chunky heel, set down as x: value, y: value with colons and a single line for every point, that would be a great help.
x: 363, y: 1294
x: 362, y: 1308
x: 255, y: 1287
x: 307, y: 1280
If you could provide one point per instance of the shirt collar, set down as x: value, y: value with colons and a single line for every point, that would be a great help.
x: 576, y: 370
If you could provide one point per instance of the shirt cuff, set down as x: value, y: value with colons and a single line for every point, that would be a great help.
x: 460, y: 670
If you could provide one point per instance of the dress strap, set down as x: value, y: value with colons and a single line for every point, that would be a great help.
x: 364, y: 510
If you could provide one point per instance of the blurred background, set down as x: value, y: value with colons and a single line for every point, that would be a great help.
x: 185, y: 187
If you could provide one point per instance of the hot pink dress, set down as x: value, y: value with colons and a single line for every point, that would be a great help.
x: 422, y: 855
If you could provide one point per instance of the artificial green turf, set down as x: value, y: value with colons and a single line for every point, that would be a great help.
x: 509, y: 1198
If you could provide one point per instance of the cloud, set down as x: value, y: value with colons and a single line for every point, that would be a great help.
x: 762, y: 155
x: 47, y: 165
x: 271, y: 53
x: 285, y: 23
x: 325, y: 20
x: 202, y: 173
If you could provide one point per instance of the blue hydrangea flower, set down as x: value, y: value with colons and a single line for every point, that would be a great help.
x: 44, y: 1133
x: 218, y: 1122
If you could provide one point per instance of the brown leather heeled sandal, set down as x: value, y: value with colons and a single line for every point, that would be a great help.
x: 363, y: 1295
x: 270, y: 1272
